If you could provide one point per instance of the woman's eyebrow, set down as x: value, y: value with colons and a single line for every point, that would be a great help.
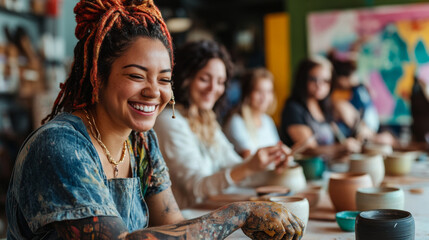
x: 144, y: 68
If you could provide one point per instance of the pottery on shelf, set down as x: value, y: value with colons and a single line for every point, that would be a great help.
x: 373, y: 164
x: 379, y: 198
x: 342, y: 189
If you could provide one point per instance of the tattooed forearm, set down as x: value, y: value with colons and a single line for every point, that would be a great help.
x: 216, y: 225
x: 103, y: 228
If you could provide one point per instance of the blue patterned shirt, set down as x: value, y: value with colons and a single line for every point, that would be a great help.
x: 58, y: 176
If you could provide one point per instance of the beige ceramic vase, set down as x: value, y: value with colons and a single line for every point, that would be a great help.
x: 399, y: 163
x: 293, y: 178
x: 373, y: 164
x: 342, y: 189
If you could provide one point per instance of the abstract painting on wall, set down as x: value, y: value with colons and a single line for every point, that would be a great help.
x: 393, y: 50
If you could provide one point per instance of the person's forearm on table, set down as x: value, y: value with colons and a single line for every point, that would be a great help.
x: 215, y: 225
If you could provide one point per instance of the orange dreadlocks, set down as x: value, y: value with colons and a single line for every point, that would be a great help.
x: 95, y: 20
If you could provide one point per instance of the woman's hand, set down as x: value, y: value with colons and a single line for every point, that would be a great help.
x: 277, y: 154
x: 353, y: 145
x: 269, y: 220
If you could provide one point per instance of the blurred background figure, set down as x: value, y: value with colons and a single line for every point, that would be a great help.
x: 201, y: 160
x: 308, y: 112
x: 354, y: 110
x: 248, y: 126
x: 419, y: 111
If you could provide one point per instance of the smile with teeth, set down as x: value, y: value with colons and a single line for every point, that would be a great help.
x: 144, y: 108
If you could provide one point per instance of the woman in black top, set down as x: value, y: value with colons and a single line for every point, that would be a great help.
x: 308, y: 111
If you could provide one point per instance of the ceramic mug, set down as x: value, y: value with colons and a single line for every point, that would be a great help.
x: 385, y: 224
x: 342, y: 189
x: 379, y: 198
x: 372, y: 164
x: 313, y: 167
x: 297, y: 205
x: 399, y: 163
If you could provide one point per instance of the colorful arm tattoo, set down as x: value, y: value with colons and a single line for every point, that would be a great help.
x: 257, y: 219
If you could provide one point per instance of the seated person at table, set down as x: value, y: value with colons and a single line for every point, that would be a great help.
x: 354, y: 110
x: 308, y: 112
x: 94, y: 170
x: 204, y: 162
x: 249, y: 127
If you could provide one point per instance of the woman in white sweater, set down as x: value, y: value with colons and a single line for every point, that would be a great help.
x: 201, y: 160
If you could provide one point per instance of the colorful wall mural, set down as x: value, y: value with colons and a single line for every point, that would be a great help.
x: 393, y: 49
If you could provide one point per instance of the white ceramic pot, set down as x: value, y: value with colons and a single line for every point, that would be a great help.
x: 293, y: 178
x: 297, y: 205
x: 372, y: 164
x: 379, y: 198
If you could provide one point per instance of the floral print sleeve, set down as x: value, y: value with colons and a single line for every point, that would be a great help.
x: 152, y: 169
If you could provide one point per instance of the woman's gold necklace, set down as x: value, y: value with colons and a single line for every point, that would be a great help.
x: 94, y: 131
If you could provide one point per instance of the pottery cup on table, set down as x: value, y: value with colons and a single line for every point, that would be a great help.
x: 372, y: 164
x: 292, y: 178
x: 399, y: 163
x: 385, y: 224
x: 342, y: 189
x: 313, y: 166
x: 379, y: 198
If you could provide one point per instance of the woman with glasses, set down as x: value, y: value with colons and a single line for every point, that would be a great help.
x: 308, y: 112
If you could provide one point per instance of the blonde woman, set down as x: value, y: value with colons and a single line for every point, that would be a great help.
x: 250, y: 127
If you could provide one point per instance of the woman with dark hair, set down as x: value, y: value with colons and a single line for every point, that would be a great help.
x: 248, y: 126
x: 94, y: 170
x: 308, y: 114
x: 204, y: 161
x: 355, y: 113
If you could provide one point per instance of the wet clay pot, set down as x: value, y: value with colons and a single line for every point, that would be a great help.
x: 342, y: 189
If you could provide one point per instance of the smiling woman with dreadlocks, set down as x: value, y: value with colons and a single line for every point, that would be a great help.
x: 94, y: 169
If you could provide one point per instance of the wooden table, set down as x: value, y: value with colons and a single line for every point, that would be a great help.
x: 416, y: 203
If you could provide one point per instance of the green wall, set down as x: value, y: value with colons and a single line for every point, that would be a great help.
x: 298, y: 10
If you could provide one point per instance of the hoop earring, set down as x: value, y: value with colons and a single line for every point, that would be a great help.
x: 172, y: 102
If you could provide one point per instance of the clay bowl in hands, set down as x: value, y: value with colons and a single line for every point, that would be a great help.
x: 379, y: 198
x: 292, y: 178
x: 297, y: 205
x: 399, y: 163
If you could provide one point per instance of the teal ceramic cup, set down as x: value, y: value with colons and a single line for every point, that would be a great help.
x: 346, y: 220
x: 313, y: 167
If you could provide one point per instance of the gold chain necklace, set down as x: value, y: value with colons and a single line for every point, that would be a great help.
x: 94, y: 131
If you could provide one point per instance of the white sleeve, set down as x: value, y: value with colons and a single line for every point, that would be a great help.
x: 238, y: 135
x: 190, y: 165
